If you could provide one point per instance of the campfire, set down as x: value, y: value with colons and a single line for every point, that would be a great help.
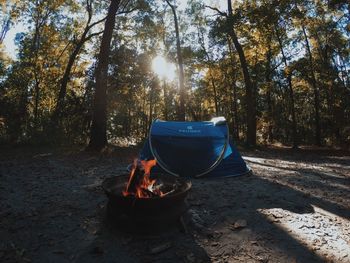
x: 140, y: 184
x: 154, y: 199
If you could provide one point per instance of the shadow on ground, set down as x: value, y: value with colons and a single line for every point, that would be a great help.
x: 294, y: 207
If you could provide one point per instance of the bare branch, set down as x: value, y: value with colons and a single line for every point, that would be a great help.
x: 172, y: 7
x: 124, y: 6
x: 62, y: 52
x: 127, y: 11
x: 93, y: 35
x: 215, y: 9
x: 97, y: 22
x: 168, y: 2
x: 89, y: 11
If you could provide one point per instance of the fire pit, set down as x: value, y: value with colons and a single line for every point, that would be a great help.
x: 137, y: 206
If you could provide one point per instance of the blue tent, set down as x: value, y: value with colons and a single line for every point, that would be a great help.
x: 193, y: 149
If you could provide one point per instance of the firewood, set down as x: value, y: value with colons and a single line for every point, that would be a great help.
x: 135, y: 180
x: 168, y: 193
x: 148, y: 193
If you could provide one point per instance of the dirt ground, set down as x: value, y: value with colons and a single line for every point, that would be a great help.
x: 294, y: 207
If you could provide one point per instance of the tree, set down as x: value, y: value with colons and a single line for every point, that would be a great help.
x: 273, y: 69
x: 210, y: 71
x: 182, y: 112
x: 288, y: 74
x: 98, y: 136
x: 249, y: 96
x: 41, y: 51
x: 78, y: 45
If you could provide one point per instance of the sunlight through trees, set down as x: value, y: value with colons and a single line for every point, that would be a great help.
x: 278, y: 71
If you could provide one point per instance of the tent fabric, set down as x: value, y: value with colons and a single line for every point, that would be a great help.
x: 188, y: 148
x: 193, y: 149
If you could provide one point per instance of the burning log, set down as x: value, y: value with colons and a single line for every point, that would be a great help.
x: 140, y: 184
x: 171, y: 189
x: 148, y: 193
x: 135, y: 178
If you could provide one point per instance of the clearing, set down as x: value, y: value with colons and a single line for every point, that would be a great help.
x: 295, y: 207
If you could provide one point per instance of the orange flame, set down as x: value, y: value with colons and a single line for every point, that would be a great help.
x: 144, y: 187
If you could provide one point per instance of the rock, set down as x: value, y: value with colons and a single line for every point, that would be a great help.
x: 42, y: 155
x: 317, y: 225
x: 190, y: 258
x: 240, y: 223
x: 212, y: 235
x: 160, y: 248
x: 196, y: 219
x: 263, y: 259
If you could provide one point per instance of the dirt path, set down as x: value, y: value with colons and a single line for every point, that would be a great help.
x: 295, y: 207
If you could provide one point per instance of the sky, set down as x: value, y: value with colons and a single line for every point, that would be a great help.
x: 9, y: 41
x: 11, y: 49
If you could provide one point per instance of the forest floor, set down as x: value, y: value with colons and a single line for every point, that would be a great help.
x: 294, y: 207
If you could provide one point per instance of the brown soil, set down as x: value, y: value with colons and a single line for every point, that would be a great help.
x: 294, y: 207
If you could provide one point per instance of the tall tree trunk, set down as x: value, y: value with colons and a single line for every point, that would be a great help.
x: 315, y: 89
x: 128, y: 122
x: 235, y: 112
x: 233, y: 107
x: 165, y: 100
x: 36, y: 102
x: 291, y: 92
x: 268, y: 93
x: 212, y: 80
x: 215, y: 92
x: 63, y: 84
x: 98, y: 135
x: 234, y: 89
x: 182, y: 112
x: 5, y: 27
x: 150, y: 110
x: 35, y: 45
x: 269, y: 110
x: 249, y: 89
x: 344, y: 71
x: 332, y: 73
x: 73, y: 56
x: 144, y: 117
x: 344, y: 79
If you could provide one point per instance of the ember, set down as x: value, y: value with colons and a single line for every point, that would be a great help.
x: 140, y: 184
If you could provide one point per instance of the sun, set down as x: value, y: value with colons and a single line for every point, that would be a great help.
x: 163, y: 69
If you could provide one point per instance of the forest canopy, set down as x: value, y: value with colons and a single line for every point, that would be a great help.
x: 93, y: 72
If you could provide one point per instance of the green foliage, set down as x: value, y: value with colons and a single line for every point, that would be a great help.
x: 284, y: 83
